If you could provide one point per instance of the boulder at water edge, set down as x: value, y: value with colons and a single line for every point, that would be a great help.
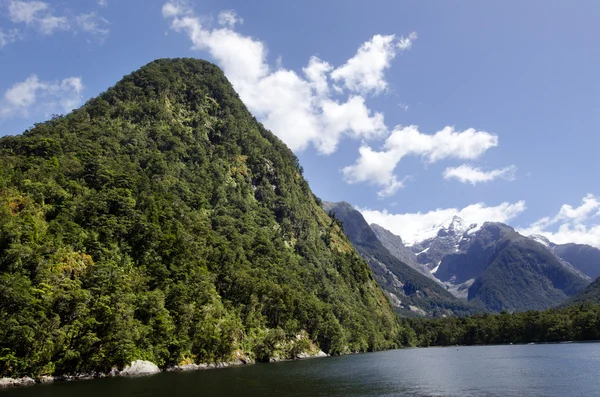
x: 140, y: 368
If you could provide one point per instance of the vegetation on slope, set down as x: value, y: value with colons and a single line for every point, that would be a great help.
x: 161, y: 221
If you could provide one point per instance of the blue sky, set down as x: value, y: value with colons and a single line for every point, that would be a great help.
x: 413, y: 111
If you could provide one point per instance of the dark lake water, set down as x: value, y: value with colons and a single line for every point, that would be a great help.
x: 532, y: 370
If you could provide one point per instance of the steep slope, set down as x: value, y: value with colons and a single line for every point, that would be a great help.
x: 161, y: 221
x: 583, y: 257
x: 411, y: 292
x: 396, y: 247
x: 506, y: 271
x: 589, y: 295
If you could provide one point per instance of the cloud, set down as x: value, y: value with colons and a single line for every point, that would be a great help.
x: 93, y: 24
x: 377, y: 167
x: 229, y: 18
x: 8, y: 37
x: 39, y: 16
x: 364, y: 72
x: 571, y: 224
x: 416, y: 227
x: 301, y: 108
x: 34, y: 95
x: 36, y: 14
x: 468, y: 174
x: 103, y: 3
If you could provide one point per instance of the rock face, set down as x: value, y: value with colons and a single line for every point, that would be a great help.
x: 447, y: 240
x: 396, y: 247
x: 140, y: 368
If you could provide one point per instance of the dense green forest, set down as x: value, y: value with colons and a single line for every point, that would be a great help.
x: 578, y: 322
x: 161, y: 221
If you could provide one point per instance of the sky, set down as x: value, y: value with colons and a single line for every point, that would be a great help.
x: 412, y: 111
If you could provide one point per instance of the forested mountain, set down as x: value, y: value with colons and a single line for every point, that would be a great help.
x: 411, y: 292
x: 161, y: 221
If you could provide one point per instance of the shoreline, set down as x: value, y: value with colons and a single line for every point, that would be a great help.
x: 139, y: 368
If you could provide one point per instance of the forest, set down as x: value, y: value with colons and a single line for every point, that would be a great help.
x: 579, y: 322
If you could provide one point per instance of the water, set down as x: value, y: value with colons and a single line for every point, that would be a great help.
x: 530, y: 370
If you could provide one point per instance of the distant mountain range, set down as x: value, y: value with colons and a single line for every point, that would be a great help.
x: 412, y: 292
x: 489, y: 265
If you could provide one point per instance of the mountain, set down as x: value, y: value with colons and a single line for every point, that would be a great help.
x: 161, y: 221
x: 493, y: 265
x: 583, y: 257
x: 396, y: 247
x: 589, y: 295
x: 446, y: 240
x: 504, y: 270
x: 411, y: 292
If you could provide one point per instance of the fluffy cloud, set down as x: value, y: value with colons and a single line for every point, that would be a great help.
x: 302, y: 109
x: 377, y: 167
x: 468, y: 174
x: 571, y: 224
x: 364, y: 72
x: 34, y: 95
x: 416, y: 227
x: 39, y: 16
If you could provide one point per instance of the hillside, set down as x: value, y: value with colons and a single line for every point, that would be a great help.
x: 411, y: 292
x: 161, y: 221
x: 589, y: 295
x: 584, y: 257
x: 396, y: 247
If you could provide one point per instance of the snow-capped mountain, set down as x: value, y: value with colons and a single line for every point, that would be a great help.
x: 447, y: 239
x: 492, y: 264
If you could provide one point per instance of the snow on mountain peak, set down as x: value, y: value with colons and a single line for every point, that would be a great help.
x: 541, y: 239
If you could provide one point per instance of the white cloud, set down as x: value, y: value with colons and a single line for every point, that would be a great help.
x: 364, y: 72
x: 36, y: 14
x: 39, y: 16
x: 229, y: 18
x: 571, y: 224
x: 103, y: 3
x: 302, y: 109
x: 9, y: 37
x: 468, y: 174
x: 34, y: 95
x: 93, y: 24
x: 416, y: 227
x: 23, y: 11
x: 377, y: 167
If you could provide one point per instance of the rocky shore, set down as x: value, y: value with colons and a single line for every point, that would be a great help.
x: 142, y: 368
